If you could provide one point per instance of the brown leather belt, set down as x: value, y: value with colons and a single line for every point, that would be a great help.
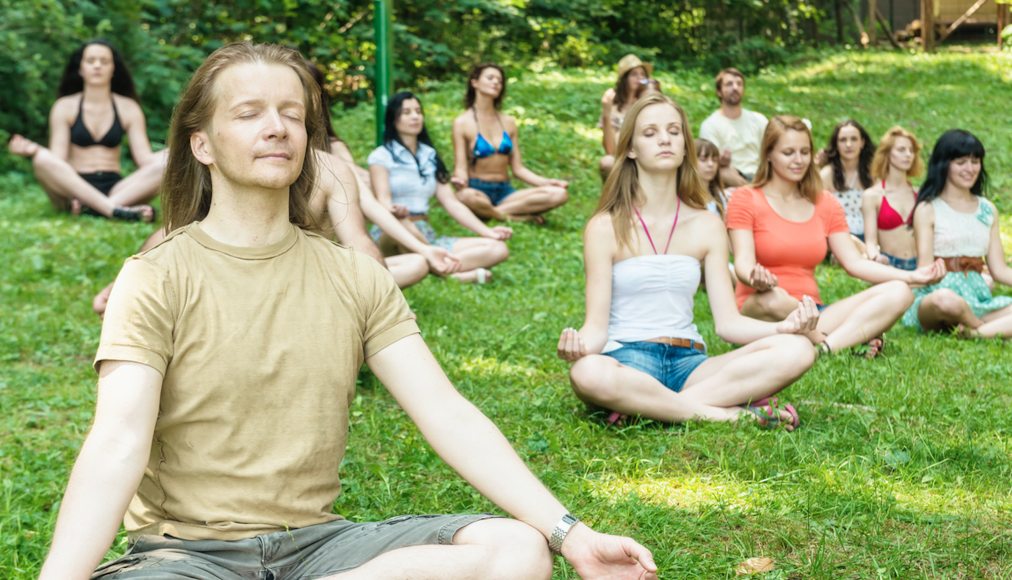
x: 417, y: 217
x: 679, y: 342
x: 964, y: 264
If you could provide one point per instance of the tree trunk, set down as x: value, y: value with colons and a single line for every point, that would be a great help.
x: 928, y: 25
x: 838, y: 12
x: 870, y: 27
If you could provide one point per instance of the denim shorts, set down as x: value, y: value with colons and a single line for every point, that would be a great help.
x: 426, y: 229
x: 901, y: 263
x: 310, y: 552
x: 496, y: 191
x: 670, y: 365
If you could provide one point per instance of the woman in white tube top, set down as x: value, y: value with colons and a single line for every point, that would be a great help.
x: 638, y: 352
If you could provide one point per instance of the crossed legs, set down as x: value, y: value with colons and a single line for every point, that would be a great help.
x: 407, y: 269
x: 715, y: 391
x: 848, y: 322
x: 493, y: 548
x: 521, y: 205
x: 476, y: 254
x: 944, y: 309
x: 64, y: 185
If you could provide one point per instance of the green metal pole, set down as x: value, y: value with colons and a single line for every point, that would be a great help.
x: 382, y: 11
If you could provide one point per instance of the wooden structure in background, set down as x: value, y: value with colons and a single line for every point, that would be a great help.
x: 954, y: 13
x: 1003, y: 21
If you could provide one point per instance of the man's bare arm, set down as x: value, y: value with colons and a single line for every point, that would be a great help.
x: 107, y: 471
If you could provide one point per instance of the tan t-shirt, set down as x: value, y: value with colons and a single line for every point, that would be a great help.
x: 743, y: 136
x: 259, y: 349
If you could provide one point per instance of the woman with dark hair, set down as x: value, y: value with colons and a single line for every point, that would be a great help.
x: 953, y: 221
x: 486, y: 147
x: 345, y: 204
x: 639, y: 352
x: 96, y: 108
x: 407, y: 171
x: 781, y: 227
x: 630, y: 85
x: 888, y: 205
x: 847, y: 171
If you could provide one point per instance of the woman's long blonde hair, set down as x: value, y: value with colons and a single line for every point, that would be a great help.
x: 810, y: 185
x: 621, y: 194
x: 186, y: 188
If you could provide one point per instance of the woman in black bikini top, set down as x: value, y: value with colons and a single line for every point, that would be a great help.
x: 96, y: 108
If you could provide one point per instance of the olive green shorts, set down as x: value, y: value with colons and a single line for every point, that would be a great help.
x: 311, y: 552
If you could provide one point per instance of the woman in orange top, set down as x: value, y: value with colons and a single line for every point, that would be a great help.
x: 780, y: 230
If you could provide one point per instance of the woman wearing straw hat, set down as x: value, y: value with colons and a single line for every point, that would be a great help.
x: 633, y: 80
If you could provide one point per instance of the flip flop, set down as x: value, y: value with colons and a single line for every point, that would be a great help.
x: 134, y: 214
x: 872, y: 348
x: 769, y: 416
x: 616, y: 419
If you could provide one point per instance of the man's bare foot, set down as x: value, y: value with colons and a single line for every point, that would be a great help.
x: 23, y: 146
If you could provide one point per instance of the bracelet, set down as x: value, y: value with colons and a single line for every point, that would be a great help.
x: 560, y: 532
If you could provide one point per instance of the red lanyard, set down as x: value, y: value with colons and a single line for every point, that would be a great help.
x: 650, y: 239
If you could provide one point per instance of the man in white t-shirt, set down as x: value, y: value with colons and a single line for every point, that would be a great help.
x: 735, y: 130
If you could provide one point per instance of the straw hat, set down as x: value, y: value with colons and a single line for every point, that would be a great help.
x: 631, y: 61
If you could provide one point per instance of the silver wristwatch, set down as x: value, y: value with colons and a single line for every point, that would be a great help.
x: 560, y: 532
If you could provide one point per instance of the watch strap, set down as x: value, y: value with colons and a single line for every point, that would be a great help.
x: 560, y: 532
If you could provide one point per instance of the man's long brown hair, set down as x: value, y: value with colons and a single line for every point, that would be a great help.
x: 620, y: 193
x: 186, y: 188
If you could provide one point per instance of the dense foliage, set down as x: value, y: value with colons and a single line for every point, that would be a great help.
x: 164, y: 40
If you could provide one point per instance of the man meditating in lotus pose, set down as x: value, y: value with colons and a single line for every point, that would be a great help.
x: 222, y: 417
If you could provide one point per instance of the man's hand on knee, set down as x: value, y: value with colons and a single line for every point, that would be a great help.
x: 596, y: 555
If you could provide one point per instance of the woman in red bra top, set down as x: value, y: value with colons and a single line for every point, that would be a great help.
x: 780, y: 229
x: 486, y: 148
x: 888, y: 206
x: 96, y: 108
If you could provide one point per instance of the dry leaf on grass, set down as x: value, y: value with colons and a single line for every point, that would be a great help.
x: 754, y: 566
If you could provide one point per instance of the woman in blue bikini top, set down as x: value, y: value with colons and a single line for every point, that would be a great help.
x: 483, y: 158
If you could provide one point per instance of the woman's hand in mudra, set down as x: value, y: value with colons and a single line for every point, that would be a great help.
x: 761, y: 279
x: 804, y: 321
x: 571, y: 346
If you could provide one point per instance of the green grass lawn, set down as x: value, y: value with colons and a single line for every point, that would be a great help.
x: 901, y: 468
